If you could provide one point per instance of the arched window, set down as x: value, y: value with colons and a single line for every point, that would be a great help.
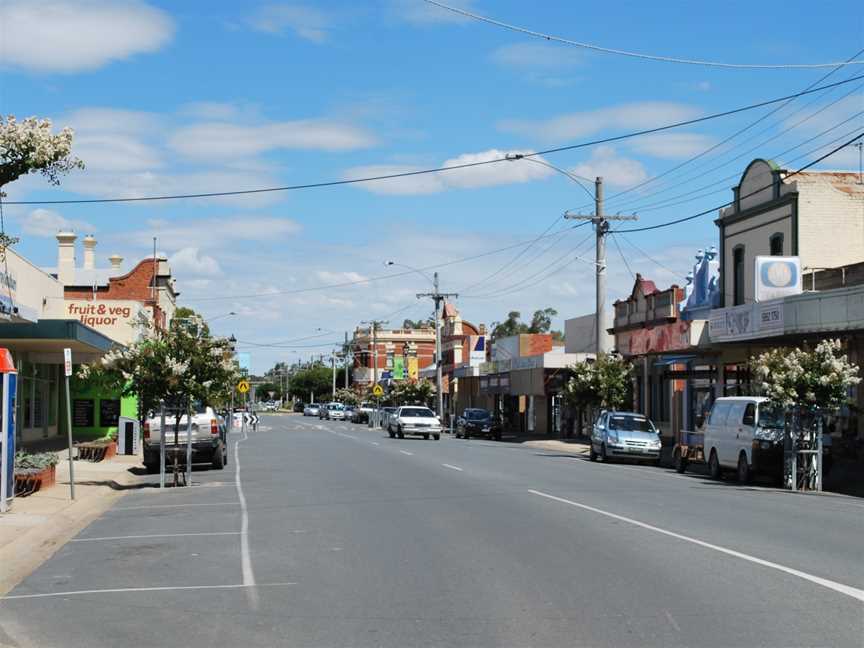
x: 777, y: 244
x: 738, y: 275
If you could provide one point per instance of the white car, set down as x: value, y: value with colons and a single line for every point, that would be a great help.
x: 209, y: 443
x: 334, y: 412
x: 416, y: 420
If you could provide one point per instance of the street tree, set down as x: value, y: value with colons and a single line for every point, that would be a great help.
x: 429, y: 322
x: 541, y: 322
x: 603, y: 383
x: 29, y: 146
x: 317, y: 380
x: 347, y: 396
x: 413, y: 392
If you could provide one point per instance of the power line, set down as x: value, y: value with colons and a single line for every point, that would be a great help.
x: 454, y: 167
x: 623, y: 258
x: 752, y: 193
x: 638, y: 55
x: 393, y: 275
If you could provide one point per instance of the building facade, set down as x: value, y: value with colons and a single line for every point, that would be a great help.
x: 401, y: 353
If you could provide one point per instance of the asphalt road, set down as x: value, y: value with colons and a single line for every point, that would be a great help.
x: 340, y: 536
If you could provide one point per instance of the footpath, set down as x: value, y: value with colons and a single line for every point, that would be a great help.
x: 579, y: 448
x: 35, y: 527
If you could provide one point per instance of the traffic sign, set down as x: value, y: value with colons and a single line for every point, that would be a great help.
x: 378, y: 391
x: 67, y: 361
x: 243, y: 386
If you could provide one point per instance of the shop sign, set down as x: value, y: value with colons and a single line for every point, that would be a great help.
x: 413, y: 368
x: 114, y: 318
x: 477, y: 344
x: 674, y: 336
x: 746, y: 321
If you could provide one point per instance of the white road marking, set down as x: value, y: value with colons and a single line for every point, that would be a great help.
x: 451, y: 467
x: 671, y: 620
x: 156, y: 535
x: 150, y: 506
x: 847, y: 590
x: 245, y: 557
x: 119, y: 590
x: 405, y: 452
x: 375, y: 443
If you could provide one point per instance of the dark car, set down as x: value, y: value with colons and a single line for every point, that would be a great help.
x: 299, y: 406
x: 478, y: 422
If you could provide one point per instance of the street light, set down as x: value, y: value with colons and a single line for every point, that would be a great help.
x: 213, y: 319
x: 407, y: 267
x: 572, y: 176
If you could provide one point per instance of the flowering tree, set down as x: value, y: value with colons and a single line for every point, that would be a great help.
x: 412, y: 392
x: 602, y: 383
x: 817, y: 379
x: 27, y: 146
x: 347, y: 396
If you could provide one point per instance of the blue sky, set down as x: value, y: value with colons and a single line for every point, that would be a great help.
x: 189, y: 97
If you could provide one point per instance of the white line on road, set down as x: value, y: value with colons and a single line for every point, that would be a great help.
x: 451, y: 467
x: 118, y: 590
x: 245, y: 557
x: 405, y: 452
x: 374, y: 443
x: 156, y: 535
x: 847, y: 590
x: 149, y: 506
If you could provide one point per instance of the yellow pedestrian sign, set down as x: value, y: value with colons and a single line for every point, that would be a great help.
x: 378, y: 391
x: 243, y: 386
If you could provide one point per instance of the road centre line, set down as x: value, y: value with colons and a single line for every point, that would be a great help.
x: 405, y: 452
x: 120, y: 590
x: 846, y: 590
x: 375, y: 443
x: 155, y: 535
x: 452, y: 467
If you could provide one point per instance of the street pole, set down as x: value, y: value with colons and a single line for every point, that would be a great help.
x: 333, y: 365
x: 69, y: 431
x: 438, y: 297
x: 374, y: 324
x: 346, y: 359
x: 601, y: 225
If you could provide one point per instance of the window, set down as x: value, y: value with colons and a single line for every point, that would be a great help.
x: 777, y: 244
x: 719, y: 413
x: 738, y: 275
x: 750, y: 415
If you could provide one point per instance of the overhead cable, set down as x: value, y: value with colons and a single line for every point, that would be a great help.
x: 638, y: 55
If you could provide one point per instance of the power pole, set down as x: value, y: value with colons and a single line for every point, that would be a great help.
x: 601, y: 225
x: 345, y: 352
x: 374, y: 325
x: 438, y: 297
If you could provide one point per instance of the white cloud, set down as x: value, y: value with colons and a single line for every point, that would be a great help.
x: 231, y: 140
x: 100, y: 119
x: 421, y: 13
x: 328, y: 277
x: 46, y: 222
x: 486, y: 175
x: 703, y: 86
x: 116, y: 152
x: 212, y: 110
x: 672, y: 146
x: 536, y: 56
x: 632, y: 116
x: 190, y: 262
x: 306, y: 22
x: 210, y: 233
x: 615, y: 170
x: 71, y: 36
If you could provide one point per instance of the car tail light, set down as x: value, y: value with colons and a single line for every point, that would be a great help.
x: 146, y: 429
x: 214, y: 426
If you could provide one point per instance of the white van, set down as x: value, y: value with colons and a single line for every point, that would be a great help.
x: 744, y: 433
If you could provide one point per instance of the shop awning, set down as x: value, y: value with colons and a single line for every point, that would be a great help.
x: 50, y: 337
x: 665, y: 361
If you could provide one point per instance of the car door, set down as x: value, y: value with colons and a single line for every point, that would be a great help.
x: 748, y: 431
x: 598, y: 432
x: 730, y: 447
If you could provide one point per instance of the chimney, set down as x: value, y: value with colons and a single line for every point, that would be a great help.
x: 66, y: 257
x: 116, y: 261
x: 89, y: 252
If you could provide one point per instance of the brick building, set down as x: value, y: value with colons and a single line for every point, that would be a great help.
x: 402, y: 352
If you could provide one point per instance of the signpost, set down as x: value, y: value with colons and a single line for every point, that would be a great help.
x: 67, y: 365
x: 377, y: 392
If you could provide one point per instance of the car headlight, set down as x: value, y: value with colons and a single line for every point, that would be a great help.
x: 768, y: 434
x: 612, y: 436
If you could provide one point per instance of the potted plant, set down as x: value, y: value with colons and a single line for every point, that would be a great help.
x: 34, y: 471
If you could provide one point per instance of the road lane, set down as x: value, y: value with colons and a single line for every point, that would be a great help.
x: 389, y: 549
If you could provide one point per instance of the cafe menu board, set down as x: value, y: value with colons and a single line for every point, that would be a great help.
x: 83, y: 411
x: 109, y: 412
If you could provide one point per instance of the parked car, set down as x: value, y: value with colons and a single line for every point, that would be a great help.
x: 333, y: 412
x: 209, y: 438
x: 361, y: 412
x: 419, y: 421
x: 744, y: 433
x: 624, y: 434
x: 348, y: 413
x: 299, y: 407
x: 386, y: 413
x: 478, y: 422
x: 312, y: 409
x: 269, y: 407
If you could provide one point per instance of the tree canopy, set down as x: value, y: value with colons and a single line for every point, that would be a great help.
x: 541, y: 322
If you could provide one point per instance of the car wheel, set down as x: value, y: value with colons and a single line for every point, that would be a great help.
x: 392, y: 434
x: 400, y: 434
x: 714, y: 465
x: 465, y: 435
x: 437, y: 437
x: 426, y: 437
x: 151, y: 468
x: 743, y: 469
x: 679, y: 461
x: 603, y: 457
x: 592, y: 456
x: 497, y: 436
x: 219, y: 457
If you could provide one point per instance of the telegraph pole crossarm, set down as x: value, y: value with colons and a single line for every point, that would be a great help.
x: 601, y: 226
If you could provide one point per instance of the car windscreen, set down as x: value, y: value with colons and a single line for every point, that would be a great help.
x: 416, y: 412
x: 476, y: 414
x: 771, y: 417
x: 630, y: 424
